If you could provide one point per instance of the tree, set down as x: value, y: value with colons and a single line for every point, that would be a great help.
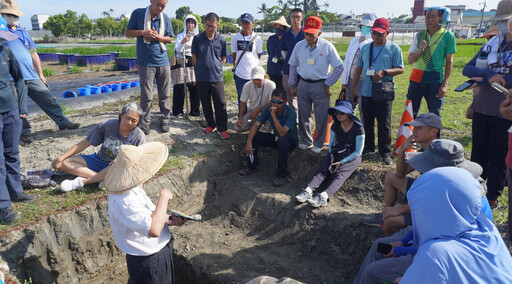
x: 107, y: 13
x: 182, y: 12
x: 83, y: 26
x: 56, y: 25
x: 263, y: 10
x: 121, y: 27
x: 177, y: 26
x: 106, y: 26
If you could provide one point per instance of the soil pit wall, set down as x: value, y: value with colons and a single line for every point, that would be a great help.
x: 249, y: 228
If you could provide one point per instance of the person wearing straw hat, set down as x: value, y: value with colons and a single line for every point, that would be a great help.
x: 25, y: 51
x: 12, y: 108
x: 138, y: 226
x: 345, y: 148
x: 275, y: 60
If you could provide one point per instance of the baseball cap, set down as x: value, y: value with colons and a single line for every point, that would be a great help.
x: 258, y: 73
x: 246, y: 17
x: 4, y: 31
x: 313, y: 25
x: 426, y: 119
x: 381, y: 25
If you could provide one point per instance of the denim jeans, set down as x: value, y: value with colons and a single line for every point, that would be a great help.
x: 10, y: 183
x: 239, y: 83
x: 42, y: 96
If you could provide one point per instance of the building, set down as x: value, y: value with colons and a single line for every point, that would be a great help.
x: 417, y: 10
x: 38, y: 21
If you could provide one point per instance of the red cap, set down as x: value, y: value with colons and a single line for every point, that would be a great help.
x: 313, y: 25
x: 381, y: 25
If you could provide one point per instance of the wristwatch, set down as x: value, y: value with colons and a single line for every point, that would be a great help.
x: 385, y: 73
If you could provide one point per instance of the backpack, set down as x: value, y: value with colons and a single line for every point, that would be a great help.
x: 36, y: 178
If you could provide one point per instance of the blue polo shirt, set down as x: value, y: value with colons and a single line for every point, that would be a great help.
x: 22, y: 54
x: 209, y: 57
x: 287, y: 118
x: 386, y: 57
x: 324, y: 55
x: 150, y: 54
x: 274, y: 47
x: 289, y: 40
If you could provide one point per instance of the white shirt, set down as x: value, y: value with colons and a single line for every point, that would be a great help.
x: 314, y: 63
x: 353, y: 47
x: 130, y: 220
x: 250, y: 58
x: 257, y: 97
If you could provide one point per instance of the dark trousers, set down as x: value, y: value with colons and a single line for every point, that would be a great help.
x: 209, y: 91
x: 157, y: 268
x: 284, y: 146
x: 278, y: 79
x: 178, y: 99
x: 336, y: 179
x: 10, y: 183
x: 490, y: 146
x: 429, y: 91
x: 510, y: 203
x: 382, y: 112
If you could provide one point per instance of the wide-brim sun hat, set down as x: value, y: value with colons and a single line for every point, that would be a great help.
x: 134, y: 165
x: 443, y: 153
x: 281, y: 21
x: 344, y: 107
x: 10, y: 7
x: 504, y: 11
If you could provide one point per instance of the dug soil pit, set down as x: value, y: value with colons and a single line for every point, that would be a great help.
x: 249, y: 228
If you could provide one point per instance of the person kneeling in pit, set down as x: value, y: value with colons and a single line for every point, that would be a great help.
x: 345, y: 148
x: 283, y: 120
x: 111, y: 134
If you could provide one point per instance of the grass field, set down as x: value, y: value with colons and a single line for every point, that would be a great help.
x: 456, y: 126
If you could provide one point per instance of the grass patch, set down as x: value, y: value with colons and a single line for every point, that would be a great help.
x: 75, y: 69
x: 48, y: 72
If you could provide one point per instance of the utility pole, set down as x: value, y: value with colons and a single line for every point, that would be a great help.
x: 481, y: 19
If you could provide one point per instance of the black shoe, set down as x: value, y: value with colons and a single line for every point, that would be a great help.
x: 247, y: 171
x: 70, y: 125
x: 145, y: 129
x: 27, y: 138
x: 193, y: 113
x: 368, y: 152
x: 386, y: 159
x: 165, y: 127
x: 277, y: 182
x: 178, y: 114
x: 22, y: 197
x: 7, y: 216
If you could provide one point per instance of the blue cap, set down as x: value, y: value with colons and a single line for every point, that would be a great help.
x: 246, y: 17
x: 4, y: 31
x: 344, y: 107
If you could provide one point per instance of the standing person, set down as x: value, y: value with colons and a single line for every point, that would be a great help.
x: 430, y: 50
x: 385, y: 63
x: 289, y: 40
x: 253, y: 44
x: 153, y: 31
x: 25, y: 51
x: 345, y: 148
x: 275, y: 60
x: 11, y: 109
x: 489, y: 139
x: 139, y: 227
x: 209, y: 52
x: 310, y: 63
x: 352, y: 55
x: 182, y: 50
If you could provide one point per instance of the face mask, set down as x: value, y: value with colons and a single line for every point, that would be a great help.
x: 279, y: 31
x: 503, y: 27
x: 365, y: 30
x: 12, y: 20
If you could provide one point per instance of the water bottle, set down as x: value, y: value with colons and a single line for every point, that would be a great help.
x: 481, y: 61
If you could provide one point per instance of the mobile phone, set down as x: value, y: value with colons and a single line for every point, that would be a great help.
x: 384, y: 248
x: 190, y: 33
x: 500, y: 88
x: 195, y: 217
x: 332, y: 168
x: 465, y: 85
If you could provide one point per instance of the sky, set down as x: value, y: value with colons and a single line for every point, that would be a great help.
x: 228, y: 8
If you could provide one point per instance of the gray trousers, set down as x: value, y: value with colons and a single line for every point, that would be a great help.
x: 147, y: 75
x: 309, y: 94
x: 377, y: 268
x: 292, y: 101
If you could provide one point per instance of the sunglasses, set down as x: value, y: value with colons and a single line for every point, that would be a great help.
x: 277, y: 102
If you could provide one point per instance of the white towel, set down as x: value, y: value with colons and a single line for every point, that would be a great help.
x: 147, y: 25
x: 494, y: 45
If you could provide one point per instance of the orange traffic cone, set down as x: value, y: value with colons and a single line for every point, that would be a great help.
x: 327, y: 134
x: 404, y: 131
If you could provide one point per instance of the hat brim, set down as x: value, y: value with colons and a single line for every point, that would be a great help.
x: 379, y: 30
x: 311, y: 30
x: 258, y: 77
x: 418, y: 162
x: 8, y: 36
x: 501, y: 17
x: 11, y: 11
x: 414, y: 123
x: 274, y: 23
x: 247, y: 20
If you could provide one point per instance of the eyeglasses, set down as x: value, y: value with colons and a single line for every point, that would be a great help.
x: 277, y: 102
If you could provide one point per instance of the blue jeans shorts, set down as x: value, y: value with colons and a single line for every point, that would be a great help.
x: 94, y: 163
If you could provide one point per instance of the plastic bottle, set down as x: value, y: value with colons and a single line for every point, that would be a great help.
x: 481, y: 61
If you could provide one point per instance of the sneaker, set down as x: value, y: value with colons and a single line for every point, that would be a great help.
x: 247, y: 171
x: 277, y: 182
x: 101, y: 185
x: 374, y: 221
x: 70, y: 125
x: 164, y: 127
x: 27, y: 138
x: 303, y: 146
x: 209, y: 129
x: 319, y: 200
x: 316, y: 150
x: 22, y: 197
x: 69, y: 185
x: 223, y: 134
x: 145, y: 128
x: 305, y: 195
x: 7, y: 216
x: 386, y: 159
